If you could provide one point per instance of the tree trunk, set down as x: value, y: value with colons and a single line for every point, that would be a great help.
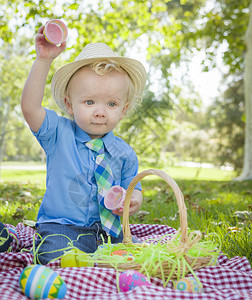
x: 247, y: 162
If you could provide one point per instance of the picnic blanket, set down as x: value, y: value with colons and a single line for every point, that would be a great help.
x: 230, y: 279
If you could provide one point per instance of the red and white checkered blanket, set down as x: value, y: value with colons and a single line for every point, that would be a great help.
x: 231, y: 279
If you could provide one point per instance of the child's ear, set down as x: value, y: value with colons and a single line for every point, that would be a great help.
x: 124, y: 109
x: 69, y: 106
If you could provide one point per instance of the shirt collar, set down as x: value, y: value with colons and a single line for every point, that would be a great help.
x: 81, y: 135
x: 108, y: 139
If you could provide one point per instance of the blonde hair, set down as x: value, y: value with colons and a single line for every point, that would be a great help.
x: 101, y: 67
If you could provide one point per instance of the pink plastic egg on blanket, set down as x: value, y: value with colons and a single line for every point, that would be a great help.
x: 131, y: 279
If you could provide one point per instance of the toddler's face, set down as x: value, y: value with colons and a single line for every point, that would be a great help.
x: 98, y: 102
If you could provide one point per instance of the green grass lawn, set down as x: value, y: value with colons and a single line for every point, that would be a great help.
x: 211, y: 199
x: 39, y: 176
x: 24, y: 176
x: 199, y: 174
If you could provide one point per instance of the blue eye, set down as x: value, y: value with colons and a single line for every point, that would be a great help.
x: 111, y: 104
x: 89, y: 102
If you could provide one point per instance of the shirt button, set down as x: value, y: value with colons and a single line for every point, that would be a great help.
x: 90, y: 221
x: 93, y: 180
x: 93, y: 158
x: 94, y: 198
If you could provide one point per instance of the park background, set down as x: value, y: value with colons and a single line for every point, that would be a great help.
x: 194, y: 121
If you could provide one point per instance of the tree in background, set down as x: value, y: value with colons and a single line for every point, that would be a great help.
x: 13, y: 67
x: 226, y: 117
x: 122, y: 25
x: 247, y: 165
x: 171, y: 30
x: 148, y: 128
x: 228, y: 23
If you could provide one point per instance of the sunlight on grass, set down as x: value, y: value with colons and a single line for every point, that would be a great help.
x: 25, y: 176
x: 21, y: 164
x: 39, y: 176
x: 203, y: 174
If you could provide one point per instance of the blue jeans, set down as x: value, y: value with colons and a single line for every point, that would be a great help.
x: 87, y: 243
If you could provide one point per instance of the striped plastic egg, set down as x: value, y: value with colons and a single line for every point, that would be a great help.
x: 39, y: 282
x: 13, y: 233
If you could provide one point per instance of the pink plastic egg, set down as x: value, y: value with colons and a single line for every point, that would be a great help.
x: 55, y: 31
x: 131, y: 279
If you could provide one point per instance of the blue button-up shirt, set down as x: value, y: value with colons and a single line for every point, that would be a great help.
x: 71, y: 189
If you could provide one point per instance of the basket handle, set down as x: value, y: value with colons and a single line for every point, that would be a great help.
x: 178, y: 194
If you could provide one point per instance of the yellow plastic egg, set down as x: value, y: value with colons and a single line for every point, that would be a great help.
x: 39, y: 282
x: 76, y: 258
x: 188, y: 284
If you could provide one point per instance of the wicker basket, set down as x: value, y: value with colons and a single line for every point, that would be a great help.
x: 186, y: 242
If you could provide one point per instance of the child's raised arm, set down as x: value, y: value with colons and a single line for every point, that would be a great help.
x: 33, y: 91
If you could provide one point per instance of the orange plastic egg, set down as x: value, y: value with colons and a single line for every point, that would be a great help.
x: 123, y: 253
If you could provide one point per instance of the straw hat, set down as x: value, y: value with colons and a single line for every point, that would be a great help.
x: 88, y: 55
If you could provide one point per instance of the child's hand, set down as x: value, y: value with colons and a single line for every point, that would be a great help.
x: 135, y: 204
x: 44, y: 49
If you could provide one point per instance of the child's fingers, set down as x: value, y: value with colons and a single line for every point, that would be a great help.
x: 39, y: 37
x: 118, y: 212
x: 134, y: 206
x: 62, y: 47
x: 41, y: 29
x: 133, y: 202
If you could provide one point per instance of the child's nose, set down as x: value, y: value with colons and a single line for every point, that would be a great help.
x: 100, y: 112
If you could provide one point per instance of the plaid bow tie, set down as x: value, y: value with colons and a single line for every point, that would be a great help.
x: 104, y: 179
